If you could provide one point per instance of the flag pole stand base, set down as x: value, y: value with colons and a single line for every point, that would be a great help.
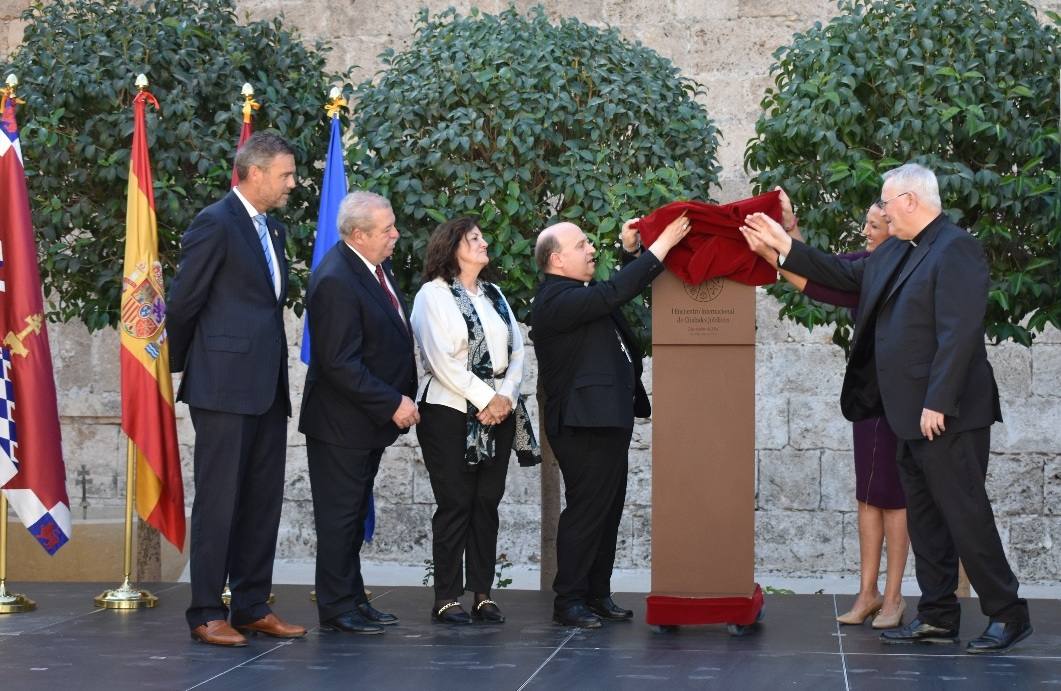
x: 126, y: 596
x: 14, y: 603
x: 226, y: 596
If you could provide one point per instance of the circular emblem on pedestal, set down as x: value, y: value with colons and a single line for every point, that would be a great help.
x: 706, y: 291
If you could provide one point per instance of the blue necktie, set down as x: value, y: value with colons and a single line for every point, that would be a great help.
x: 263, y: 237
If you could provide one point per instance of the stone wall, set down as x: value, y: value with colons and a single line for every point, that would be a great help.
x: 805, y: 506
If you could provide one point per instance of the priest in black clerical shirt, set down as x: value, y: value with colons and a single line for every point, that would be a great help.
x: 919, y: 358
x: 590, y: 370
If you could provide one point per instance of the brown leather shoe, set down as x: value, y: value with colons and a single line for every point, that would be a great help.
x: 271, y: 625
x: 218, y: 632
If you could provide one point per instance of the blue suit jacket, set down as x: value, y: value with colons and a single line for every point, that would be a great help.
x: 224, y: 322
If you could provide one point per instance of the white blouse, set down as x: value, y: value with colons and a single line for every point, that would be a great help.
x: 442, y: 334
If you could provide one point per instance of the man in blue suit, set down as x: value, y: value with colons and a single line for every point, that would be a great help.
x: 357, y: 400
x: 226, y: 332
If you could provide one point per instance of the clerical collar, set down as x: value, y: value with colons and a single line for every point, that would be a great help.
x: 923, y: 235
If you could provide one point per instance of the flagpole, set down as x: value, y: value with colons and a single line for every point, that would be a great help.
x: 127, y: 596
x: 10, y: 603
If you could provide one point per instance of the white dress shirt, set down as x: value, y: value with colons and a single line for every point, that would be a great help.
x: 272, y: 251
x: 443, y: 337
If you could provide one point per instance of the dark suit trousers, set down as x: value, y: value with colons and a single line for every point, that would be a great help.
x: 594, y: 462
x: 239, y: 490
x: 341, y: 482
x: 949, y: 517
x: 465, y: 523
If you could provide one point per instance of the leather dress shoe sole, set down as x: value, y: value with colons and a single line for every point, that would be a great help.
x: 377, y: 617
x: 225, y: 636
x: 591, y: 622
x: 974, y: 650
x: 942, y: 638
x: 363, y: 629
x: 271, y: 626
x: 612, y: 613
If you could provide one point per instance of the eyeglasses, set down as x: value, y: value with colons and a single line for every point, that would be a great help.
x: 881, y: 203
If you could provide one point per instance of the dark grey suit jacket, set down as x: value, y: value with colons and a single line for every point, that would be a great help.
x: 224, y: 322
x: 362, y: 360
x: 920, y: 342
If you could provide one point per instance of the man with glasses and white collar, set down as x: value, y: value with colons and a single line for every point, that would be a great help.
x: 919, y: 358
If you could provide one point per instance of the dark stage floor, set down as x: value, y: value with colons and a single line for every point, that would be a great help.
x: 67, y: 644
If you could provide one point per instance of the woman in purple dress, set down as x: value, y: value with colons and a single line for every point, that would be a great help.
x: 881, y: 504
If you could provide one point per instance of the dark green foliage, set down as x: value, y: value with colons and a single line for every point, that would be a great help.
x: 523, y: 122
x: 77, y: 63
x: 968, y: 88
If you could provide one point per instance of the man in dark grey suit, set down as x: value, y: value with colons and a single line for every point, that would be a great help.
x: 226, y: 333
x: 590, y: 369
x: 919, y: 358
x: 357, y: 400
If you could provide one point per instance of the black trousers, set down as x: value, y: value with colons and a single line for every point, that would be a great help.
x: 465, y: 523
x: 341, y: 483
x: 949, y: 516
x: 239, y: 490
x: 594, y: 463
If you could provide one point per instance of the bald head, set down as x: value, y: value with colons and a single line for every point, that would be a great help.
x: 564, y: 250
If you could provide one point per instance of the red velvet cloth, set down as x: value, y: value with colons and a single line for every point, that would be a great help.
x: 714, y: 247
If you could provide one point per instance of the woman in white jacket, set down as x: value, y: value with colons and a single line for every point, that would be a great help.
x: 471, y: 413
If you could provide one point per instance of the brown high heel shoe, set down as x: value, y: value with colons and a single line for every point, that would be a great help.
x: 855, y: 617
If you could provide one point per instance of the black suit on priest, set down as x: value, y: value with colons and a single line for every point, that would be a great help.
x: 590, y: 369
x: 919, y: 343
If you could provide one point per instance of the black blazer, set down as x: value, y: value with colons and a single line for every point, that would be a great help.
x: 920, y: 344
x: 585, y: 376
x: 224, y: 322
x: 361, y: 360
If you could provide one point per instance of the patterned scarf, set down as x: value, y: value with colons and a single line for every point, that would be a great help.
x: 479, y: 440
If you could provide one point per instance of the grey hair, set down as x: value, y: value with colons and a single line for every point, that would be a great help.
x: 355, y: 211
x: 544, y: 248
x: 916, y: 178
x: 259, y: 150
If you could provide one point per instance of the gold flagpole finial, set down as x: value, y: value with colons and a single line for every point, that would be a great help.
x: 141, y: 81
x: 249, y: 104
x: 9, y: 90
x: 335, y: 103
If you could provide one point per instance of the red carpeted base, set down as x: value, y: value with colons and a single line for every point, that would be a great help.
x: 668, y: 610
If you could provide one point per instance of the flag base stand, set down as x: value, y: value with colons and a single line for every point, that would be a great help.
x: 226, y: 596
x: 13, y: 603
x: 125, y: 596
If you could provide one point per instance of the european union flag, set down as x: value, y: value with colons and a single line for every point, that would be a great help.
x: 332, y: 192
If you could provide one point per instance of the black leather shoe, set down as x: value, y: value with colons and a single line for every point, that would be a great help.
x: 998, y: 637
x: 488, y: 612
x: 577, y: 615
x: 919, y: 631
x: 375, y: 616
x: 605, y: 608
x: 450, y: 613
x: 351, y: 622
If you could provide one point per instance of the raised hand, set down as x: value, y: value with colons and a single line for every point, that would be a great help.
x: 631, y: 239
x: 674, y: 233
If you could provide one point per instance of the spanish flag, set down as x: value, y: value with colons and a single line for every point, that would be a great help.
x: 147, y: 389
x: 249, y: 106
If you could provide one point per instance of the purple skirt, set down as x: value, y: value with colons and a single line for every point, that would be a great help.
x: 876, y: 470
